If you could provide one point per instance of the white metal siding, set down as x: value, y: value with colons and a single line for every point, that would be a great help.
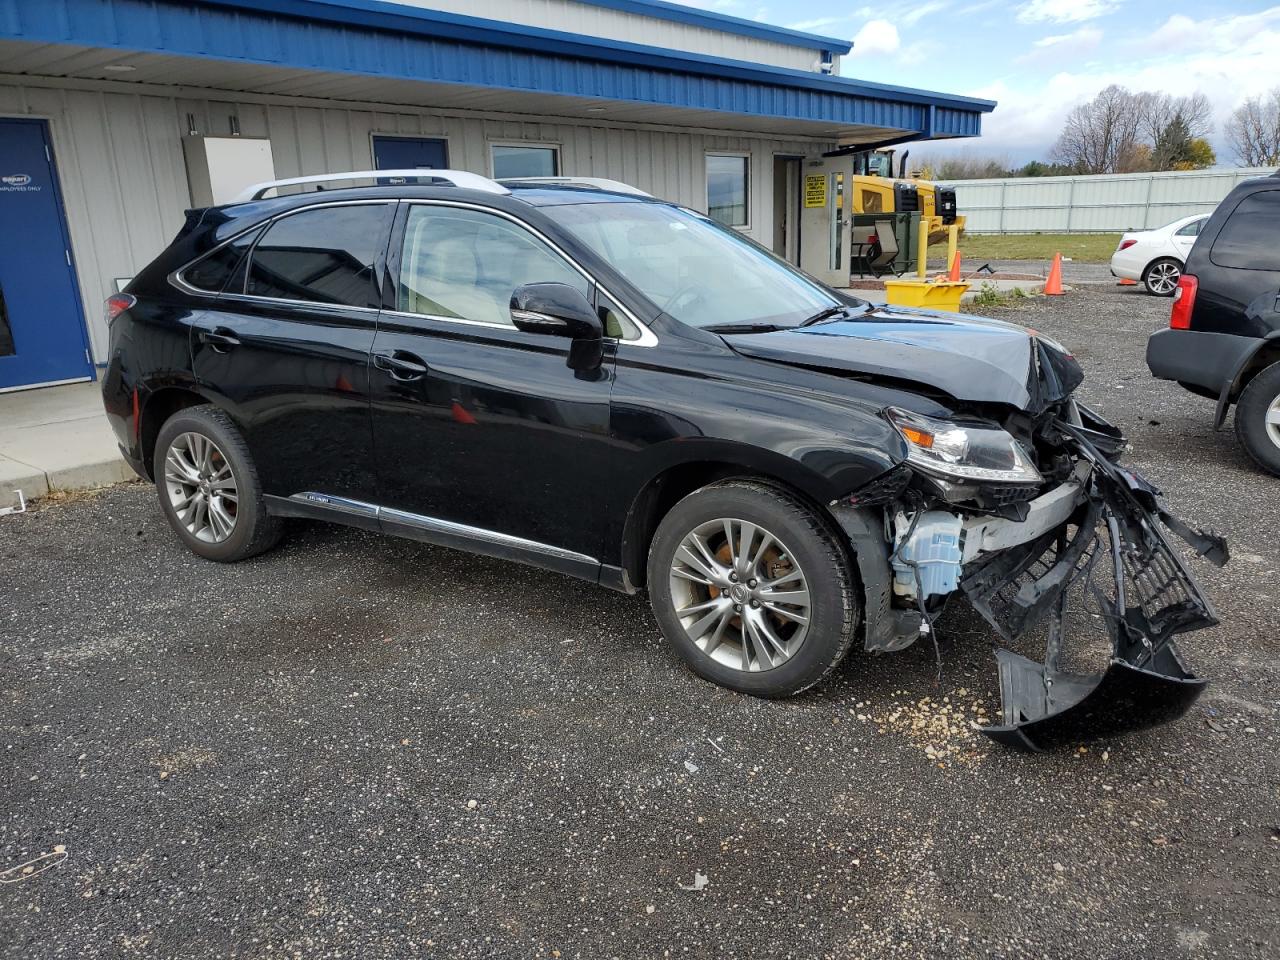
x: 119, y: 158
x: 1094, y: 204
x: 593, y: 21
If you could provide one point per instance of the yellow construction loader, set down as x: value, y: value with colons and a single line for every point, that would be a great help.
x: 876, y: 190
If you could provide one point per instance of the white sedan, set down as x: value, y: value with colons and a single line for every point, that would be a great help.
x: 1156, y: 256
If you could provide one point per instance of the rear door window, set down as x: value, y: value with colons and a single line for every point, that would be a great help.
x: 1192, y: 229
x: 322, y: 255
x: 1250, y: 239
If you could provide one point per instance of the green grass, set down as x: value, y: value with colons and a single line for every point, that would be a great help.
x: 989, y: 295
x: 1084, y: 247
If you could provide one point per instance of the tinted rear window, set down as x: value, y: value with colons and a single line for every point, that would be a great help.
x: 1250, y: 239
x: 212, y: 272
x: 322, y: 255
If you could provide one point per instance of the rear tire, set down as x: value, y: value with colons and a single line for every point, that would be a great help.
x: 1161, y: 276
x: 209, y: 488
x: 752, y: 588
x: 1258, y: 419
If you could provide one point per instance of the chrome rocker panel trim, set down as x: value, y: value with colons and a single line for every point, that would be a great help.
x: 492, y: 543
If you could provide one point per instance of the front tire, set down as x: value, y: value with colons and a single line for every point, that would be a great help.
x: 1258, y: 418
x: 752, y: 589
x: 1161, y: 276
x: 209, y: 488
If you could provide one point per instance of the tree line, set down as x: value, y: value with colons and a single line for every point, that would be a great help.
x: 1121, y: 131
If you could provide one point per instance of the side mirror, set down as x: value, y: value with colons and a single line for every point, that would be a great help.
x: 555, y: 309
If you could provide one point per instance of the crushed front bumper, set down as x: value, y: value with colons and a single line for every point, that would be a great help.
x: 1154, y: 597
x: 1098, y: 537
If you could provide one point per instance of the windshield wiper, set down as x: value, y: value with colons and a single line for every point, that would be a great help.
x: 833, y: 312
x: 745, y: 328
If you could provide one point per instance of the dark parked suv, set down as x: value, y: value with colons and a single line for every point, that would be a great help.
x: 575, y: 375
x: 1223, y: 340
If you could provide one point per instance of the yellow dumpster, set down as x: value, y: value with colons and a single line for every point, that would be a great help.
x: 931, y: 294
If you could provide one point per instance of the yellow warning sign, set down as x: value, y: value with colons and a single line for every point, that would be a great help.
x: 815, y: 190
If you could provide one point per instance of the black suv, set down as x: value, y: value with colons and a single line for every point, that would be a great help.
x: 578, y: 376
x: 1223, y: 340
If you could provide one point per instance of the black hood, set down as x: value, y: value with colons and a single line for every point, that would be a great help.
x: 969, y: 358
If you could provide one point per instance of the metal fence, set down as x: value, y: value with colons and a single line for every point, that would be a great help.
x: 1108, y: 203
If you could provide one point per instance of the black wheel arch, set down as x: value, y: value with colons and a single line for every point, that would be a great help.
x: 1262, y: 356
x: 671, y: 484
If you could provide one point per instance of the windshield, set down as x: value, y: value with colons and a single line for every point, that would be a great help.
x: 692, y: 268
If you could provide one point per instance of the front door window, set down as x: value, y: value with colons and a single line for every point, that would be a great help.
x: 462, y: 264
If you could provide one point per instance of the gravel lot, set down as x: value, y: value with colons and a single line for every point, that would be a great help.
x: 364, y: 747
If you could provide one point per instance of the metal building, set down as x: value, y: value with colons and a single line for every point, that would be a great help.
x: 118, y: 115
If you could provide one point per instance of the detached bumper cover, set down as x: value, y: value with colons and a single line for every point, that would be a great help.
x: 1155, y: 598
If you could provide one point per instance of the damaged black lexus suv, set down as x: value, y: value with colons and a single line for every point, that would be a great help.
x: 574, y: 375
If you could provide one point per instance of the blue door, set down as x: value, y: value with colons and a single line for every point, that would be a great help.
x: 42, y: 332
x: 409, y: 153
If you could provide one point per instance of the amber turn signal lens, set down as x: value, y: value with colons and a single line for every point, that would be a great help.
x: 918, y: 437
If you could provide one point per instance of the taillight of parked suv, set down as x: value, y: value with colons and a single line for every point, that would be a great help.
x: 118, y: 304
x: 1184, y: 301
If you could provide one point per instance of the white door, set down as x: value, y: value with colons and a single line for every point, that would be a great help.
x: 1184, y: 238
x: 826, y: 204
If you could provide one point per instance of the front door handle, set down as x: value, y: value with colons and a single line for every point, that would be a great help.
x: 401, y: 365
x: 221, y: 339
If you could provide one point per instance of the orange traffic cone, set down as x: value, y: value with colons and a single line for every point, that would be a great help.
x: 954, y: 275
x: 1126, y: 282
x: 1053, y: 286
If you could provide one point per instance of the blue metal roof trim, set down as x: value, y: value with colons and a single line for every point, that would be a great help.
x: 351, y: 36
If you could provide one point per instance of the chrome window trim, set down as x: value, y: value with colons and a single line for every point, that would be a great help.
x: 409, y: 315
x: 372, y: 511
x: 647, y: 337
x: 177, y: 279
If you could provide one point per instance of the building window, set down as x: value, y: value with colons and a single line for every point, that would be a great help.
x: 727, y: 189
x: 525, y: 161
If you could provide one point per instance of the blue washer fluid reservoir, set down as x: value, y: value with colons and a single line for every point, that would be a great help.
x: 934, y: 546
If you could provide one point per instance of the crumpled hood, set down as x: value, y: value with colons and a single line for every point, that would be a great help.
x: 970, y: 358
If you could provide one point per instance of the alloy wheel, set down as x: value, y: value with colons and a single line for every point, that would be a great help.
x: 1273, y: 421
x: 201, y: 487
x: 1163, y: 278
x: 740, y: 594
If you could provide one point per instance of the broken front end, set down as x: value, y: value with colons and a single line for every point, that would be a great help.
x: 1037, y: 525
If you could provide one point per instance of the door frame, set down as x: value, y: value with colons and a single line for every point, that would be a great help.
x: 375, y: 135
x: 791, y: 205
x: 49, y: 125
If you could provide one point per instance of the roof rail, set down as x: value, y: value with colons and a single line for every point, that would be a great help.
x: 459, y: 178
x: 595, y: 183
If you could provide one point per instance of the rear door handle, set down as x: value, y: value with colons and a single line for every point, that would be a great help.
x: 401, y: 365
x: 221, y: 339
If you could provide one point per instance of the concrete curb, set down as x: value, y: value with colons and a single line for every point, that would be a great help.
x: 56, y: 439
x: 35, y: 483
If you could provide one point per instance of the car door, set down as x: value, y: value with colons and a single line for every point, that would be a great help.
x: 286, y: 348
x: 476, y: 423
x: 1184, y: 238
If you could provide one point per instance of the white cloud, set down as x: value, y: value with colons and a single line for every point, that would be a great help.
x: 876, y: 36
x: 1063, y: 46
x: 820, y: 23
x: 1085, y: 36
x: 1064, y: 11
x: 1228, y: 58
x: 916, y: 14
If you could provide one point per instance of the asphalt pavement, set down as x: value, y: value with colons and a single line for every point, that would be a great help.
x: 363, y: 747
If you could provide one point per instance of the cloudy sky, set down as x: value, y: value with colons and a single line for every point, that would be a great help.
x: 1039, y: 58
